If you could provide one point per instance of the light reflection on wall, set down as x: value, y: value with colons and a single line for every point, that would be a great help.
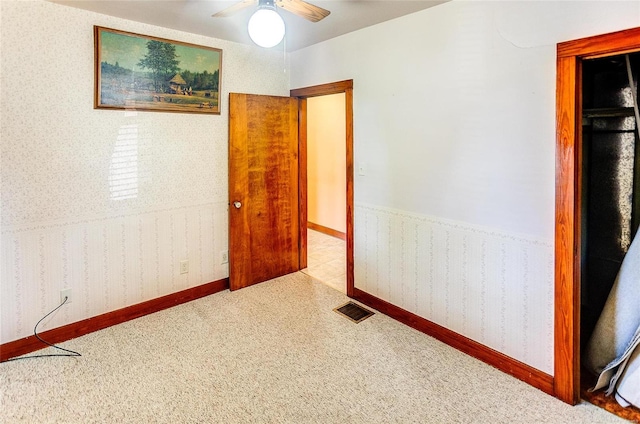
x: 123, y: 170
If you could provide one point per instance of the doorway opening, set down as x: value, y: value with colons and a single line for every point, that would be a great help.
x: 326, y: 182
x: 594, y: 145
x: 326, y: 188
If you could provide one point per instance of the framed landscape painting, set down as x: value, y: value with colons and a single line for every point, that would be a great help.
x: 134, y: 71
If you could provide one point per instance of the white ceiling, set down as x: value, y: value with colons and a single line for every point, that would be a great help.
x: 194, y: 16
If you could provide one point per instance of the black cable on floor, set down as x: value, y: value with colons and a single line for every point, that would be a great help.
x: 35, y: 333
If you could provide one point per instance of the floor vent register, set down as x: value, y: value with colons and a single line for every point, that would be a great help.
x: 354, y: 312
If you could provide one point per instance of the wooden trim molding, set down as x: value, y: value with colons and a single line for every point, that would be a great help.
x: 567, y: 306
x: 504, y: 363
x: 610, y: 44
x: 322, y: 89
x: 348, y: 93
x: 567, y: 215
x: 326, y: 230
x: 302, y: 182
x: 99, y: 322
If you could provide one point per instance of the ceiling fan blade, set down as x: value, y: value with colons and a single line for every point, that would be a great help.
x: 303, y: 9
x: 235, y: 8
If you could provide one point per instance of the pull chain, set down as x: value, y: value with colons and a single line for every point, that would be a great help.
x: 284, y: 54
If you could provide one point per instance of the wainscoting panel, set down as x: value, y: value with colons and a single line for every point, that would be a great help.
x: 109, y: 263
x: 492, y: 287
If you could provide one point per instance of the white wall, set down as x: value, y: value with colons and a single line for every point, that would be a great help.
x: 326, y: 161
x: 454, y: 125
x: 61, y: 224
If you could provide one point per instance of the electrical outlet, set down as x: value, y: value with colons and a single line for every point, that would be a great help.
x: 184, y: 267
x: 224, y: 257
x: 65, y: 293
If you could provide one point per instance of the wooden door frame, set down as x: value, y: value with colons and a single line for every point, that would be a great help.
x: 303, y: 94
x: 568, y: 199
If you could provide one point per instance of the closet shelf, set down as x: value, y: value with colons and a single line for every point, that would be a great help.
x: 608, y: 112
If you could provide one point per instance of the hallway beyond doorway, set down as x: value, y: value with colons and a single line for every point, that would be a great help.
x: 326, y: 260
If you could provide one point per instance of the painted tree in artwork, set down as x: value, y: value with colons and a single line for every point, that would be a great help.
x: 162, y: 60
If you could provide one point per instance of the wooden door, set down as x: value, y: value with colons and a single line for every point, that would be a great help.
x: 263, y: 188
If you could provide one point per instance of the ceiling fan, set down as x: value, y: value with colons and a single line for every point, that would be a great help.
x: 297, y: 7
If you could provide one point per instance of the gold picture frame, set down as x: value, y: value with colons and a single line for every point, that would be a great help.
x: 141, y: 72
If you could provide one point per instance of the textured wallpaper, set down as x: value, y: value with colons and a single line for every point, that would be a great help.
x: 479, y: 282
x: 454, y: 118
x: 105, y: 202
x: 59, y: 154
x: 109, y: 202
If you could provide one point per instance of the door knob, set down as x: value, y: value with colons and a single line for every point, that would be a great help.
x: 237, y: 204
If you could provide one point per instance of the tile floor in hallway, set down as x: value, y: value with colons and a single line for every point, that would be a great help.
x: 326, y: 260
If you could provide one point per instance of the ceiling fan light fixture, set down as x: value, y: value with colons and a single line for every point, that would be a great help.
x: 266, y: 27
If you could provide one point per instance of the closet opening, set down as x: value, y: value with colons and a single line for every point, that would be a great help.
x: 610, y: 170
x: 609, y: 189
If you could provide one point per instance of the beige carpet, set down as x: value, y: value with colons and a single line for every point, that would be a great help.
x: 272, y: 353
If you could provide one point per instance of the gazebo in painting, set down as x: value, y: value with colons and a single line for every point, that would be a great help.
x: 177, y: 84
